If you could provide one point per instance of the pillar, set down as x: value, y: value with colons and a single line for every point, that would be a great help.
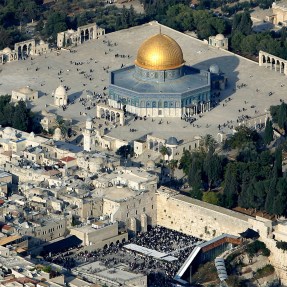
x: 143, y: 223
x: 133, y: 225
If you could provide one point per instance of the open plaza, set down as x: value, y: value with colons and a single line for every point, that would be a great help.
x: 85, y: 71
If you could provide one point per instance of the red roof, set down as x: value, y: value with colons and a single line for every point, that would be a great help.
x: 6, y: 227
x: 1, y: 201
x: 67, y: 158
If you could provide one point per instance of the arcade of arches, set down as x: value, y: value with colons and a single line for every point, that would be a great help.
x: 272, y: 62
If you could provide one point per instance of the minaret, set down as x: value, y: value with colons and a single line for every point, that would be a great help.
x: 89, y: 141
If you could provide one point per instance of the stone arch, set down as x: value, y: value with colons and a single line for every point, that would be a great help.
x: 165, y: 104
x: 82, y: 36
x: 273, y: 64
x: 113, y: 116
x: 154, y: 104
x: 19, y: 52
x: 155, y: 147
x: 263, y: 58
x: 142, y: 104
x: 24, y: 50
x: 277, y: 65
x: 30, y: 49
x: 87, y: 34
x: 151, y: 145
x: 102, y: 113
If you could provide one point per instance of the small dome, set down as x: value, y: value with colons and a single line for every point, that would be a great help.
x: 214, y: 69
x: 150, y: 164
x: 159, y: 52
x: 26, y: 90
x: 42, y: 42
x: 219, y: 37
x: 57, y: 131
x: 8, y: 130
x: 172, y: 141
x: 60, y: 91
x: 7, y: 50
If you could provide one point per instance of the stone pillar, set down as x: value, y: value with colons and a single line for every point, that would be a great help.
x: 133, y: 225
x: 196, y: 109
x: 122, y: 121
x: 143, y: 222
x: 260, y: 59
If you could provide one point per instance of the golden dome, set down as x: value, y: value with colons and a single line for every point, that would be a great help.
x: 159, y: 52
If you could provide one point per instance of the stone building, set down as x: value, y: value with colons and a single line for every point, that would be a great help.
x: 218, y: 41
x: 81, y: 35
x: 7, y: 55
x: 25, y: 94
x: 160, y: 84
x: 279, y: 13
x: 60, y: 97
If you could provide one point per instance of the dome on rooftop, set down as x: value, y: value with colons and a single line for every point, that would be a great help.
x: 150, y: 165
x: 172, y: 141
x: 219, y: 37
x: 60, y: 91
x: 7, y: 50
x: 159, y: 52
x: 26, y: 90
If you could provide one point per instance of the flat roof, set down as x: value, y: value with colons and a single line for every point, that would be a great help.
x: 6, y: 240
x: 150, y: 252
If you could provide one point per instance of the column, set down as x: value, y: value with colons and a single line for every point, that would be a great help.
x: 196, y: 109
x: 255, y: 124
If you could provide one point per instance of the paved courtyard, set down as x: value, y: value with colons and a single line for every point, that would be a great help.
x: 87, y: 69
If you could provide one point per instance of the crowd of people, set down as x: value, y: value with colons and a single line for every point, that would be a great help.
x: 160, y: 272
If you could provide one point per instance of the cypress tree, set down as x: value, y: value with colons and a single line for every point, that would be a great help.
x: 268, y: 132
x: 282, y: 113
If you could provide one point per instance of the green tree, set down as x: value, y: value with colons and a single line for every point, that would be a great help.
x: 20, y: 118
x: 271, y: 195
x: 164, y: 151
x: 278, y: 162
x: 56, y: 23
x: 172, y: 166
x: 282, y: 115
x: 268, y: 132
x: 212, y: 168
x: 211, y: 197
x: 230, y: 190
x: 62, y: 125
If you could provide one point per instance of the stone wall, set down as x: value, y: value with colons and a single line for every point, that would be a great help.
x: 278, y: 258
x: 197, y: 218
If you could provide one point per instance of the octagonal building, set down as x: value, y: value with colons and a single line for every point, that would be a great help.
x: 159, y: 84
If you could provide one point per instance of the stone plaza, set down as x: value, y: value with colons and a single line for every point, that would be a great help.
x: 85, y: 71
